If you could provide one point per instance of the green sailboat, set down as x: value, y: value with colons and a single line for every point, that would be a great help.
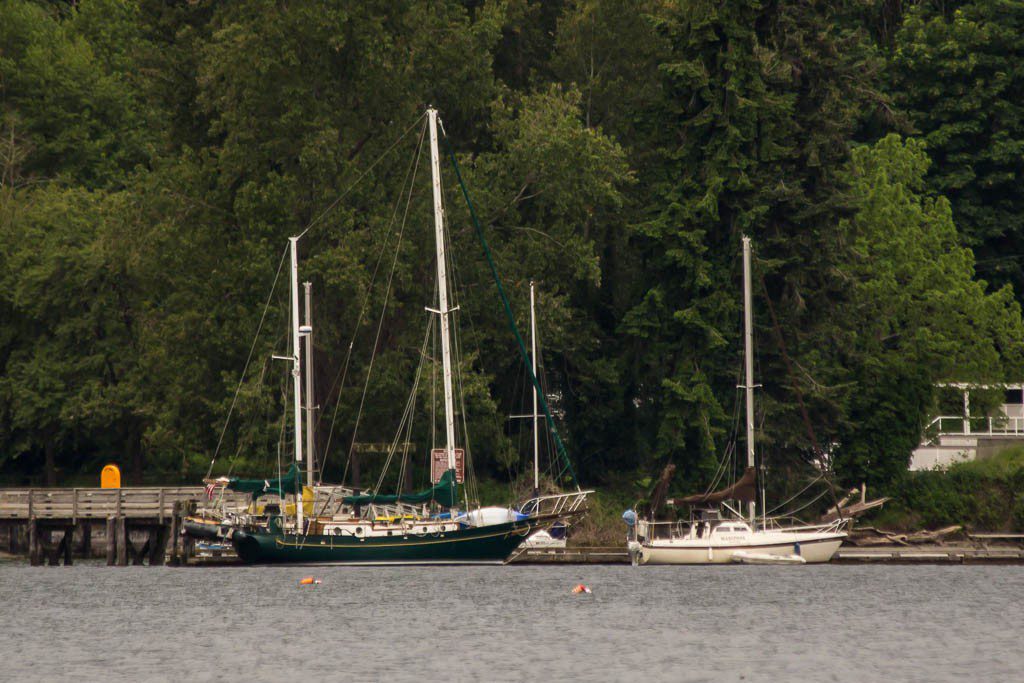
x: 423, y: 527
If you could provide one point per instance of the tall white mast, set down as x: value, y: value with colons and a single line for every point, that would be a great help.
x: 296, y: 372
x: 533, y: 362
x: 310, y: 423
x: 442, y: 289
x: 748, y: 353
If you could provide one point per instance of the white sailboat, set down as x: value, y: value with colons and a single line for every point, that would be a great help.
x: 552, y: 537
x: 717, y: 533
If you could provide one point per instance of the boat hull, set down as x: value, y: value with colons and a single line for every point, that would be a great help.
x: 491, y: 544
x: 813, y: 548
x: 197, y: 527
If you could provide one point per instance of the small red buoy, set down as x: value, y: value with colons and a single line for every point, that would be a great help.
x: 580, y: 588
x: 309, y: 581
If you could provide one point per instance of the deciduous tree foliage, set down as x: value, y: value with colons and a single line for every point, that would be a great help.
x: 156, y: 157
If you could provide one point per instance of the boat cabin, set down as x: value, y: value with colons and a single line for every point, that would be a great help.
x: 698, y: 527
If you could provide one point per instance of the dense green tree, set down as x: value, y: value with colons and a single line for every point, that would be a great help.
x: 958, y: 74
x: 761, y: 103
x: 64, y: 91
x: 155, y: 157
x: 917, y: 316
x: 72, y: 379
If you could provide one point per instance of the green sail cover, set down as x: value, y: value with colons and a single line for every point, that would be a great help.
x: 443, y: 493
x: 258, y: 487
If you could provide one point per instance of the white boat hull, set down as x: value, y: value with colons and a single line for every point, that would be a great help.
x: 815, y: 547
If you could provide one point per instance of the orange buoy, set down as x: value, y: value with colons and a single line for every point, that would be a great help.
x: 309, y: 581
x: 580, y: 588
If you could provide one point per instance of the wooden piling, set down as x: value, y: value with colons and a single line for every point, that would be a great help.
x: 175, y: 532
x: 188, y: 549
x: 158, y: 546
x: 138, y: 556
x: 188, y: 544
x: 111, y: 541
x: 121, y: 534
x: 67, y: 545
x: 85, y: 549
x: 51, y: 550
x: 15, y: 543
x: 35, y: 557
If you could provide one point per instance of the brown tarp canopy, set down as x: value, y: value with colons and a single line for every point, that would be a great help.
x: 744, y: 489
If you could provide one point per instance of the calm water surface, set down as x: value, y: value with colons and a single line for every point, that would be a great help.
x: 828, y: 623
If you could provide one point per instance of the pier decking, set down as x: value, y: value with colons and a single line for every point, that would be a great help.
x: 939, y: 554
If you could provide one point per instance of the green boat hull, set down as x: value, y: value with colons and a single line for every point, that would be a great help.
x: 480, y: 545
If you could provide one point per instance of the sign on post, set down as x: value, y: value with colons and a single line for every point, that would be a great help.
x: 439, y: 464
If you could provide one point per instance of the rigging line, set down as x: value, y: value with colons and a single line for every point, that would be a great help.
x: 508, y: 312
x: 730, y: 448
x: 793, y: 497
x: 724, y: 465
x: 404, y: 468
x: 251, y: 423
x: 405, y: 427
x: 727, y: 463
x: 433, y: 382
x: 330, y: 207
x: 268, y: 361
x: 812, y: 501
x: 407, y: 413
x: 469, y: 488
x: 467, y: 458
x: 387, y: 296
x: 245, y: 368
x: 363, y: 306
x: 823, y: 467
x: 414, y: 162
x: 475, y: 337
x: 281, y: 439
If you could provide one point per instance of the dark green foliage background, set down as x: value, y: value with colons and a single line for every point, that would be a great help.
x: 156, y: 156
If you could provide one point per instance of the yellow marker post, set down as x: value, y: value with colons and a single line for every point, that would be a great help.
x: 110, y: 477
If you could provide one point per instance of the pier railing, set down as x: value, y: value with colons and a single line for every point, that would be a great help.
x: 93, y: 503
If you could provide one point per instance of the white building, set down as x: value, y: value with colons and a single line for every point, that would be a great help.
x: 949, y: 439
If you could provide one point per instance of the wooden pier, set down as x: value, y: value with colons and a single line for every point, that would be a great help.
x: 573, y: 555
x: 938, y: 554
x: 137, y: 525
